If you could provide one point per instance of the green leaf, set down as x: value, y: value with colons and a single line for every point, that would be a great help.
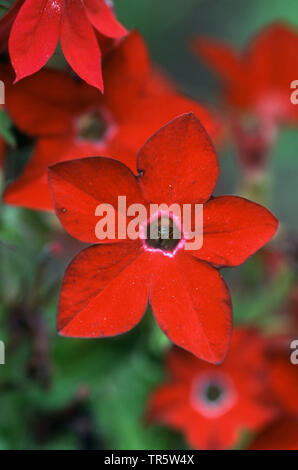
x: 259, y: 309
x: 5, y: 128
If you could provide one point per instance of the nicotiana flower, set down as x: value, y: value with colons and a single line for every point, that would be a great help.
x: 258, y: 80
x: 69, y: 119
x: 257, y: 91
x: 212, y: 406
x: 107, y: 287
x: 39, y: 24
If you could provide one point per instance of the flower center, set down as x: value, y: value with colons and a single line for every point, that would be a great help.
x: 213, y: 396
x: 162, y: 234
x: 92, y: 126
x: 213, y: 393
x: 273, y: 106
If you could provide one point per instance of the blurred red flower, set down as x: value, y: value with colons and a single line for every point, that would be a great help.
x: 253, y: 81
x: 282, y: 434
x: 213, y: 405
x: 106, y: 288
x: 72, y: 120
x: 255, y: 86
x: 36, y: 26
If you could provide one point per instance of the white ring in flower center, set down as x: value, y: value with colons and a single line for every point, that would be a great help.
x: 163, y: 233
x: 213, y: 395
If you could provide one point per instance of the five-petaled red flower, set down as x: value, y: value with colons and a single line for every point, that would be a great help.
x: 259, y: 80
x: 71, y: 120
x: 107, y: 287
x: 39, y: 24
x: 213, y: 405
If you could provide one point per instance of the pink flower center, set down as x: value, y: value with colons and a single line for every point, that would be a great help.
x: 92, y: 126
x: 213, y: 395
x: 96, y: 125
x: 163, y: 233
x: 273, y: 107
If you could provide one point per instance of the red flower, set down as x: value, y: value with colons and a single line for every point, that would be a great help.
x: 72, y: 120
x: 40, y: 23
x: 213, y: 405
x: 107, y: 287
x: 282, y: 434
x: 253, y: 81
x: 255, y: 85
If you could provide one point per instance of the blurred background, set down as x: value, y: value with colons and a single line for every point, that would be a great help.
x: 61, y: 393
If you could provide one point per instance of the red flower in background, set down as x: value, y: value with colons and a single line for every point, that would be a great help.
x: 72, y: 120
x: 39, y: 24
x: 259, y: 79
x: 254, y: 84
x: 282, y: 434
x: 213, y: 405
x: 106, y: 288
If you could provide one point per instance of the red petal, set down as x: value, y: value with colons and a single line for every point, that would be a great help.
x: 79, y: 186
x: 104, y: 292
x: 179, y: 163
x: 284, y: 383
x: 34, y: 35
x: 221, y: 57
x: 103, y: 18
x: 234, y: 229
x: 280, y: 435
x: 276, y: 43
x: 6, y: 23
x: 169, y: 405
x: 126, y: 72
x: 79, y: 44
x: 148, y: 114
x: 160, y: 82
x: 192, y: 306
x: 46, y: 103
x: 181, y: 365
